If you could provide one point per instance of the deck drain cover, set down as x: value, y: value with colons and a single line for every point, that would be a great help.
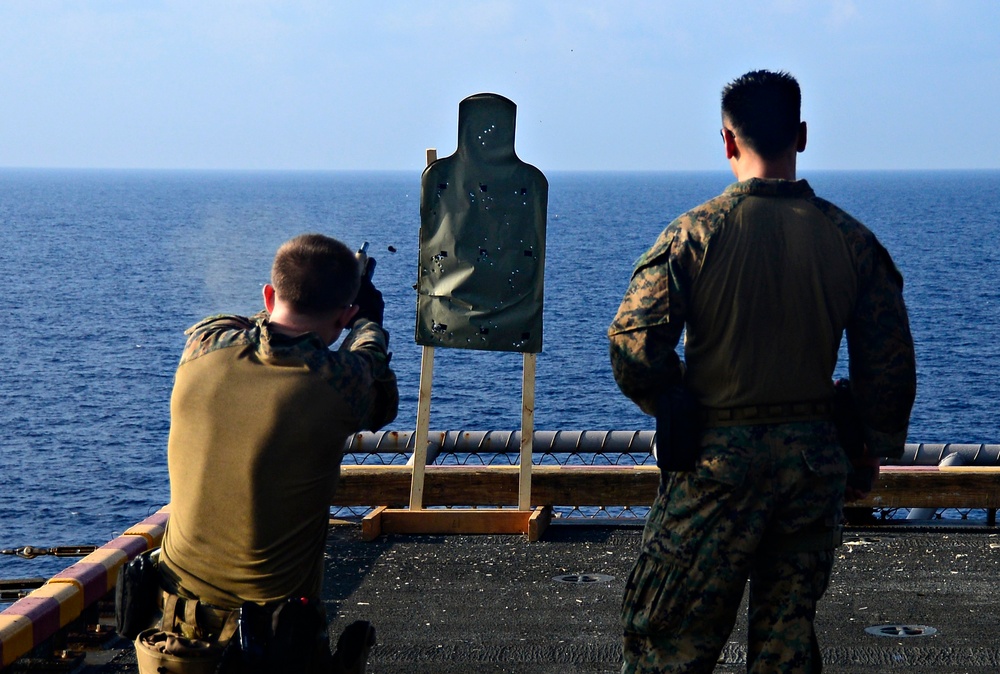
x: 898, y: 631
x: 583, y: 578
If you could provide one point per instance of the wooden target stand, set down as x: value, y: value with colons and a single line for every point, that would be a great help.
x: 420, y: 520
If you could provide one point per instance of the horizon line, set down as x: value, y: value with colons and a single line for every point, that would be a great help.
x: 167, y: 169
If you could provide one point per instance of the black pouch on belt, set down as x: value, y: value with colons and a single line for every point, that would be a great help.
x: 137, y: 591
x: 678, y: 431
x: 851, y: 433
x: 283, y: 636
x: 298, y: 634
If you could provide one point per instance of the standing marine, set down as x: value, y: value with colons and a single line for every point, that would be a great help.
x: 763, y: 281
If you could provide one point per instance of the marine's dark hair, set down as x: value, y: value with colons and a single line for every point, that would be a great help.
x: 315, y: 274
x: 763, y: 108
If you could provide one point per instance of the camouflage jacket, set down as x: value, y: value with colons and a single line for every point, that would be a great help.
x: 361, y: 364
x: 765, y: 279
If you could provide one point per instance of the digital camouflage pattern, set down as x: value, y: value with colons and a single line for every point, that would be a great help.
x: 763, y: 503
x: 360, y: 364
x: 765, y: 279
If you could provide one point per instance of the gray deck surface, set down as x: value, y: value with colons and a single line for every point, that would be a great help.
x: 449, y: 604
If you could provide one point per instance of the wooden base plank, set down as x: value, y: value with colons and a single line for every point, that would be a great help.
x: 371, y: 525
x: 493, y: 486
x: 539, y: 522
x: 385, y: 520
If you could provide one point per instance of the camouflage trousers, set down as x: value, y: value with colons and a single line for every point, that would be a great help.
x: 763, y: 504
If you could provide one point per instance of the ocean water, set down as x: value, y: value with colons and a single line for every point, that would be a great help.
x: 103, y: 270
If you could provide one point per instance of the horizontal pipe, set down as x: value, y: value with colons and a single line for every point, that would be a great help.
x: 615, y: 442
x: 473, y: 442
x: 952, y: 459
x: 927, y: 454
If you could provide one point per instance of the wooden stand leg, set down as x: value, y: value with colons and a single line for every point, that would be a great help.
x: 419, y: 458
x: 422, y: 430
x: 527, y: 431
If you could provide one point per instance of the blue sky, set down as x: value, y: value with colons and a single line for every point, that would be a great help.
x: 269, y: 84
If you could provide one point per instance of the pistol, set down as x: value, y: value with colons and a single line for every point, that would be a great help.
x: 367, y: 263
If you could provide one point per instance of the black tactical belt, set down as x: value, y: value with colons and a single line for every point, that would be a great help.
x: 752, y: 415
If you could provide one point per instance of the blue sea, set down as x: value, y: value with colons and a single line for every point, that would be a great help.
x: 103, y: 270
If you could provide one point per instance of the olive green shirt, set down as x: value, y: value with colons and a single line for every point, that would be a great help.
x: 765, y: 279
x: 258, y: 426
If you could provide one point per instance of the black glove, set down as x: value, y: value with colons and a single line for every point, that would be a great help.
x: 369, y: 301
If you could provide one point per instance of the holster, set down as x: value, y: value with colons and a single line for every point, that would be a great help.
x: 851, y: 433
x: 137, y: 593
x: 678, y: 431
x: 284, y: 636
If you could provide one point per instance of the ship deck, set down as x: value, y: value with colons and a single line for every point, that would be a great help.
x: 491, y: 604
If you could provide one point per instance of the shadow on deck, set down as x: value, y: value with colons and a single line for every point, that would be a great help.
x: 491, y: 604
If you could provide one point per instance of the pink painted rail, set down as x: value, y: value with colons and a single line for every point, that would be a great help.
x: 33, y: 619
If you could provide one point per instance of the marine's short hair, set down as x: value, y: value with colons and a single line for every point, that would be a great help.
x: 315, y: 274
x: 764, y: 109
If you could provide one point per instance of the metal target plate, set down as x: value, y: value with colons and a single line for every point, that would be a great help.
x: 480, y: 278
